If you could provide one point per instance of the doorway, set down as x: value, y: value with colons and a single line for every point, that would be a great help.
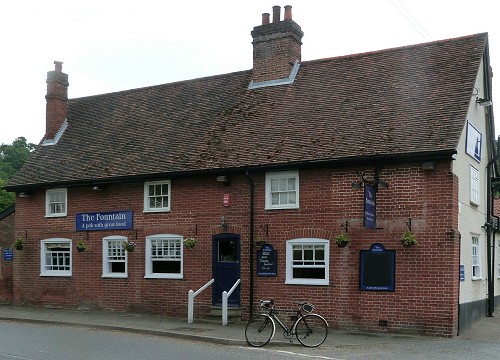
x: 225, y: 268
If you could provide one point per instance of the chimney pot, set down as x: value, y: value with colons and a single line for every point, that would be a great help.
x: 276, y: 13
x: 58, y: 66
x: 288, y: 12
x: 265, y: 19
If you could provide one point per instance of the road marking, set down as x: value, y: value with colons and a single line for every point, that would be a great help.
x: 294, y: 354
x: 15, y: 357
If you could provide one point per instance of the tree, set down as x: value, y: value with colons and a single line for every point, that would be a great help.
x: 12, y: 158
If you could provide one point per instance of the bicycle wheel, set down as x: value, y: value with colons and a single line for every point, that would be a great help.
x: 260, y: 330
x: 311, y: 330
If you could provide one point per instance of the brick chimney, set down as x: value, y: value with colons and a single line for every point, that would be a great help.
x: 276, y: 46
x: 57, y: 101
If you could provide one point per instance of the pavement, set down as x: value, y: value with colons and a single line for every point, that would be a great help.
x: 488, y: 329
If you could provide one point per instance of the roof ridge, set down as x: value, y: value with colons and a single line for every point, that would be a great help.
x: 397, y: 48
x: 138, y: 89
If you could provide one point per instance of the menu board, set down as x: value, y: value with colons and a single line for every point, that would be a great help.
x: 377, y: 269
x: 266, y: 261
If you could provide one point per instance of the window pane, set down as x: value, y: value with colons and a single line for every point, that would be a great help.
x: 274, y: 185
x: 291, y: 184
x: 283, y: 185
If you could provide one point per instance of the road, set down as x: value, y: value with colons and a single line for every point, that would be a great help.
x: 24, y: 341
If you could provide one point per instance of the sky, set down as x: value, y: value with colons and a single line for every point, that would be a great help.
x: 114, y: 45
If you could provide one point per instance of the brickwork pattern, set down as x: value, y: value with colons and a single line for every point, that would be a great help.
x: 426, y: 288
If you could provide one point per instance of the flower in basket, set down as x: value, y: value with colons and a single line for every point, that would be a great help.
x: 129, y: 246
x: 190, y: 242
x: 81, y: 246
x: 342, y: 240
x: 408, y: 239
x: 18, y: 245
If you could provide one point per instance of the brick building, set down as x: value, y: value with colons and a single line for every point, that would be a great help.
x: 282, y: 158
x: 7, y: 237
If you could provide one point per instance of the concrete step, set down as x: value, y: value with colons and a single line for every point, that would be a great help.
x: 215, y: 315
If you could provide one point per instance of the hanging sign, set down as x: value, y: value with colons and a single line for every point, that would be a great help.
x: 110, y: 220
x: 266, y: 261
x: 474, y: 140
x: 370, y: 207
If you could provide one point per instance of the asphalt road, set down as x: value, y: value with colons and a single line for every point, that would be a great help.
x: 27, y: 341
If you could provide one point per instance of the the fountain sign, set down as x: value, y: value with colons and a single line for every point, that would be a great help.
x: 110, y: 220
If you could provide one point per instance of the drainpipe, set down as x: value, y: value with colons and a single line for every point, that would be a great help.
x: 250, y: 255
x: 488, y: 226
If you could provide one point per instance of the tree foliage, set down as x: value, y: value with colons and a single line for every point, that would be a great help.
x: 12, y: 158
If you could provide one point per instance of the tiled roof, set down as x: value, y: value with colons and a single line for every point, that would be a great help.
x: 399, y: 101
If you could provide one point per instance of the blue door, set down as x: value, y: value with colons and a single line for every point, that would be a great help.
x: 226, y: 268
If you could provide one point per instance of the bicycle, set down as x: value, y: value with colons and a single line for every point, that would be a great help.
x: 310, y: 329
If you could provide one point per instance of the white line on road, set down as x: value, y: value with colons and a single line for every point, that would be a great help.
x: 295, y: 354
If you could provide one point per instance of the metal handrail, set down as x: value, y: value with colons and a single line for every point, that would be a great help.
x: 191, y: 296
x: 225, y: 295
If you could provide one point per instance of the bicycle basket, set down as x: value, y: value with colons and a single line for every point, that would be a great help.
x: 307, y: 307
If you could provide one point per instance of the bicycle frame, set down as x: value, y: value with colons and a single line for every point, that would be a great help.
x: 289, y: 331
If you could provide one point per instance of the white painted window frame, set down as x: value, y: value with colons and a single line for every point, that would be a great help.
x: 49, y: 200
x: 120, y: 252
x: 149, y: 256
x: 147, y: 196
x: 476, y: 257
x: 44, y: 250
x: 290, y: 280
x: 279, y: 176
x: 474, y: 186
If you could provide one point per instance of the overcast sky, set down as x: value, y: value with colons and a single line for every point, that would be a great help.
x: 113, y: 45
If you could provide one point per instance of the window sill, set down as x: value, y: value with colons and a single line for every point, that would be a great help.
x: 476, y: 278
x: 115, y: 276
x: 62, y: 274
x: 55, y: 216
x: 307, y: 282
x: 156, y: 210
x: 163, y: 276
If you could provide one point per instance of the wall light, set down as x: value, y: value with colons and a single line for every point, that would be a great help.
x: 24, y: 194
x: 484, y: 102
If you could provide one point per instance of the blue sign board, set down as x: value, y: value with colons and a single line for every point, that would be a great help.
x: 266, y: 261
x: 377, y: 270
x: 8, y: 254
x: 110, y: 220
x: 462, y: 273
x: 370, y: 207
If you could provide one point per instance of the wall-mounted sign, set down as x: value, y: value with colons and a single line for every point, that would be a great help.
x: 377, y: 269
x: 8, y: 254
x: 473, y: 142
x: 110, y: 220
x: 227, y: 200
x: 462, y: 273
x: 266, y: 261
x: 370, y: 217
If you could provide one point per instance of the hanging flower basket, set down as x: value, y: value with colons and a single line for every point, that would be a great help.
x: 408, y: 239
x: 81, y: 247
x: 18, y: 245
x: 129, y: 246
x: 190, y: 242
x: 342, y: 240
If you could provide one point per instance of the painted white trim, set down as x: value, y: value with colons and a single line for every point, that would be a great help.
x: 43, y: 264
x: 289, y: 258
x: 146, y: 196
x: 106, y: 273
x: 149, y: 265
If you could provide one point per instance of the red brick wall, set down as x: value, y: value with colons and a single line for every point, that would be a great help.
x: 426, y: 295
x: 7, y: 230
